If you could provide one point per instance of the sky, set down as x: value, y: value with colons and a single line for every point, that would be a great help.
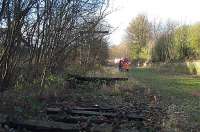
x: 182, y: 11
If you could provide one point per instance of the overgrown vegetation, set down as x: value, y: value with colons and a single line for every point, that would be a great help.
x: 42, y: 42
x: 41, y: 38
x: 175, y: 90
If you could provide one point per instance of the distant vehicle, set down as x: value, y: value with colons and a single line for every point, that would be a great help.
x: 124, y: 64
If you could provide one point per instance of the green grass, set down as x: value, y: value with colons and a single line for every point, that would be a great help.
x: 173, y: 88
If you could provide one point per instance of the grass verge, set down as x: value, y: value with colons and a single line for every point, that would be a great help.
x: 179, y: 90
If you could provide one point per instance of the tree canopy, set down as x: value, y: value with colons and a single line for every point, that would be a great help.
x: 162, y: 42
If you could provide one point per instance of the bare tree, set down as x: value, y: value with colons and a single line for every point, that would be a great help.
x: 42, y: 33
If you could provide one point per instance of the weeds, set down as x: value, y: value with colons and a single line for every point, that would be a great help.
x: 176, y: 95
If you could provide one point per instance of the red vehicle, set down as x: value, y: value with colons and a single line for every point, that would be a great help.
x: 124, y: 64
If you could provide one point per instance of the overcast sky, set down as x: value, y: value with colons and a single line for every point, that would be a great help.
x: 184, y: 11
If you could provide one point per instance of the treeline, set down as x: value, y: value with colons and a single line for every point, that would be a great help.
x: 162, y: 42
x: 119, y: 51
x: 42, y: 37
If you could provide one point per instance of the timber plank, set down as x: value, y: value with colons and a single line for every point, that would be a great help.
x: 99, y: 79
x: 82, y: 78
x: 131, y: 116
x: 93, y: 109
x: 92, y: 113
x: 77, y: 119
x: 44, y: 125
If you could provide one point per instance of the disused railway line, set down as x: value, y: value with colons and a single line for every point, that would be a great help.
x: 77, y: 79
x: 79, y: 119
x: 66, y: 118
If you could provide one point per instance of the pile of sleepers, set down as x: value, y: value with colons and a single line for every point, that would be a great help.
x: 89, y: 119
